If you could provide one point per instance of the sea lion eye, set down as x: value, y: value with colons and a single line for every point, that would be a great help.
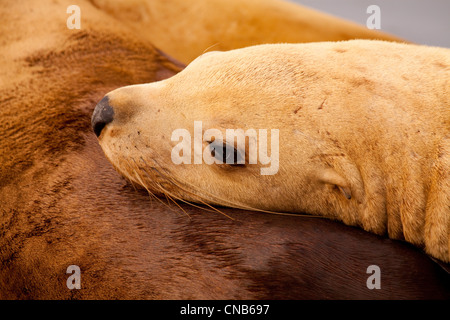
x: 226, y: 154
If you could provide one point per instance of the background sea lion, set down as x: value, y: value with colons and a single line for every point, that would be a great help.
x: 185, y: 29
x: 62, y: 203
x: 364, y: 133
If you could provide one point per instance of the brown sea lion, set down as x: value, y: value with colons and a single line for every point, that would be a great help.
x: 62, y: 203
x: 186, y: 29
x: 364, y: 134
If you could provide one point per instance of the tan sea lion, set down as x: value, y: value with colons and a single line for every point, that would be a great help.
x: 364, y: 134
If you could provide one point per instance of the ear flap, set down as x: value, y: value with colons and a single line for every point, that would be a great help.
x: 346, y: 191
x: 330, y: 176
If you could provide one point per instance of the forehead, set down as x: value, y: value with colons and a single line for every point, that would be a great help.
x: 223, y: 66
x: 268, y: 59
x: 207, y: 60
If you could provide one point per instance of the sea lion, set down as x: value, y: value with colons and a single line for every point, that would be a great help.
x: 364, y: 134
x: 186, y: 29
x: 63, y: 204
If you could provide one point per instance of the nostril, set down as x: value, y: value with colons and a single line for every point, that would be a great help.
x: 103, y: 114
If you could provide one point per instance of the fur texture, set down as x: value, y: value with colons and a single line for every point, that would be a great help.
x: 365, y: 120
x: 232, y: 24
x: 62, y: 203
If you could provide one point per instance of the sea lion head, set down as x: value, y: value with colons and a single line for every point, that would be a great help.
x: 321, y: 128
x: 171, y: 136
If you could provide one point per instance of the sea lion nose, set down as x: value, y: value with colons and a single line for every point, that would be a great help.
x: 103, y: 114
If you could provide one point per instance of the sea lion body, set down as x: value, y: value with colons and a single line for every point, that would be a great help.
x: 63, y: 204
x: 364, y: 133
x: 186, y: 29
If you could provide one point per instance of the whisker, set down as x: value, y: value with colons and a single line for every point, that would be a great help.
x: 188, y: 202
x: 210, y: 48
x: 170, y: 179
x: 185, y: 201
x: 166, y: 193
x: 201, y: 195
x: 149, y: 192
x: 240, y: 206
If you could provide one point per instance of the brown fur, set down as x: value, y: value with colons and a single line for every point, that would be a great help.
x: 224, y: 25
x: 62, y: 203
x: 374, y: 126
